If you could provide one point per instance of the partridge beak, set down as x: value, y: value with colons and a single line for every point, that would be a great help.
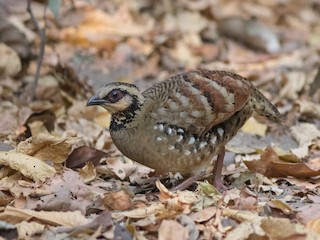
x: 95, y: 100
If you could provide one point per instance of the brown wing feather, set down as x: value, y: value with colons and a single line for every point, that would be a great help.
x: 197, y: 100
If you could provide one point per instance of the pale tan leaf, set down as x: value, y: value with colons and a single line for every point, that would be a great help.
x: 314, y: 225
x: 276, y: 203
x: 245, y: 230
x: 10, y: 63
x: 240, y: 216
x: 67, y: 219
x: 28, y: 229
x: 252, y: 126
x: 304, y: 133
x: 29, y: 166
x: 281, y: 228
x: 88, y: 172
x: 47, y: 147
x: 141, y: 212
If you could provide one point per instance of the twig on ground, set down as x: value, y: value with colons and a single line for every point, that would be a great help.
x: 42, y: 34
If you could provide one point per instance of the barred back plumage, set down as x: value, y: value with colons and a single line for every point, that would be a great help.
x: 178, y: 125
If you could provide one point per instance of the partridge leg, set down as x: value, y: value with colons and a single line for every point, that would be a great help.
x: 216, y: 179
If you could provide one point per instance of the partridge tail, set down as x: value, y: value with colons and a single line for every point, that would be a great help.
x: 264, y: 107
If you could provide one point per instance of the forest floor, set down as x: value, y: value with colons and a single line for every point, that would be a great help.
x: 61, y: 177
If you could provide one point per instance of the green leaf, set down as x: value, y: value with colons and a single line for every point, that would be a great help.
x: 54, y: 6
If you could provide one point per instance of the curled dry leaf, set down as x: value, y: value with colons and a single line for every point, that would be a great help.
x: 47, y: 147
x: 67, y: 219
x: 270, y: 165
x: 29, y: 166
x: 88, y: 172
x: 164, y: 192
x: 121, y: 169
x: 182, y: 201
x: 39, y: 120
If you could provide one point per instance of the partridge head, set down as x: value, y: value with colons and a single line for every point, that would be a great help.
x: 180, y: 124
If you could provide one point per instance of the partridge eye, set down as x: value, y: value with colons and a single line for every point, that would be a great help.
x: 115, y: 95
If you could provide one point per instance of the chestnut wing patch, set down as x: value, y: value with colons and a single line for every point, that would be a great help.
x: 196, y: 101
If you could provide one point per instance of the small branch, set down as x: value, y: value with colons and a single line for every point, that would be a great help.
x: 42, y: 34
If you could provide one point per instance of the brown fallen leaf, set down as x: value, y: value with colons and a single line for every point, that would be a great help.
x: 270, y: 165
x: 204, y: 215
x: 29, y: 166
x: 120, y: 200
x: 47, y: 147
x: 82, y: 155
x: 171, y: 230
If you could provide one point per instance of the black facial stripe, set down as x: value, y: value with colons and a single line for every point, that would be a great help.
x: 120, y: 119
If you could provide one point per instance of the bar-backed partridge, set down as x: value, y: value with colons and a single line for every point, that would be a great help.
x: 180, y: 124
